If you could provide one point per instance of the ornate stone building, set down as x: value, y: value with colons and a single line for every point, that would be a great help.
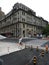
x: 1, y: 14
x: 21, y: 21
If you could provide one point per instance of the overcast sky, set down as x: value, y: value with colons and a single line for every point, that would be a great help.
x: 41, y: 7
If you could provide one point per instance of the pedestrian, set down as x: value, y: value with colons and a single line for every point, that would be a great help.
x: 20, y: 41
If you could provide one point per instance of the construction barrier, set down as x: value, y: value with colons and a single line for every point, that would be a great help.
x: 46, y: 48
x: 42, y: 53
x: 37, y: 49
x: 31, y: 47
x: 34, y: 60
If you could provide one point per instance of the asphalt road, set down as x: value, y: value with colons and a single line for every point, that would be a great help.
x: 14, y: 40
x: 24, y: 57
x: 47, y: 43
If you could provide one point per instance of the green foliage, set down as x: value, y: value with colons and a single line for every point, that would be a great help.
x: 46, y: 30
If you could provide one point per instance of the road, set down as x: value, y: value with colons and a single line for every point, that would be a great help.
x: 10, y: 45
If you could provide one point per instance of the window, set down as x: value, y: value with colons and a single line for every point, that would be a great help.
x: 23, y: 13
x: 18, y: 12
x: 10, y: 17
x: 23, y: 33
x: 14, y: 18
x: 18, y: 19
x: 23, y: 19
x: 23, y: 25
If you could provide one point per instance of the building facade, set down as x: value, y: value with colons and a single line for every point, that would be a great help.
x: 2, y: 14
x: 21, y: 21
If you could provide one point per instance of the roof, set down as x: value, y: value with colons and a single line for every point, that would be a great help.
x: 11, y: 12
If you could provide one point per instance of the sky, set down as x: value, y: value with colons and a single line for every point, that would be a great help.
x: 41, y: 7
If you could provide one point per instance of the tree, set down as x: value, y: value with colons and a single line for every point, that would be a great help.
x: 46, y: 30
